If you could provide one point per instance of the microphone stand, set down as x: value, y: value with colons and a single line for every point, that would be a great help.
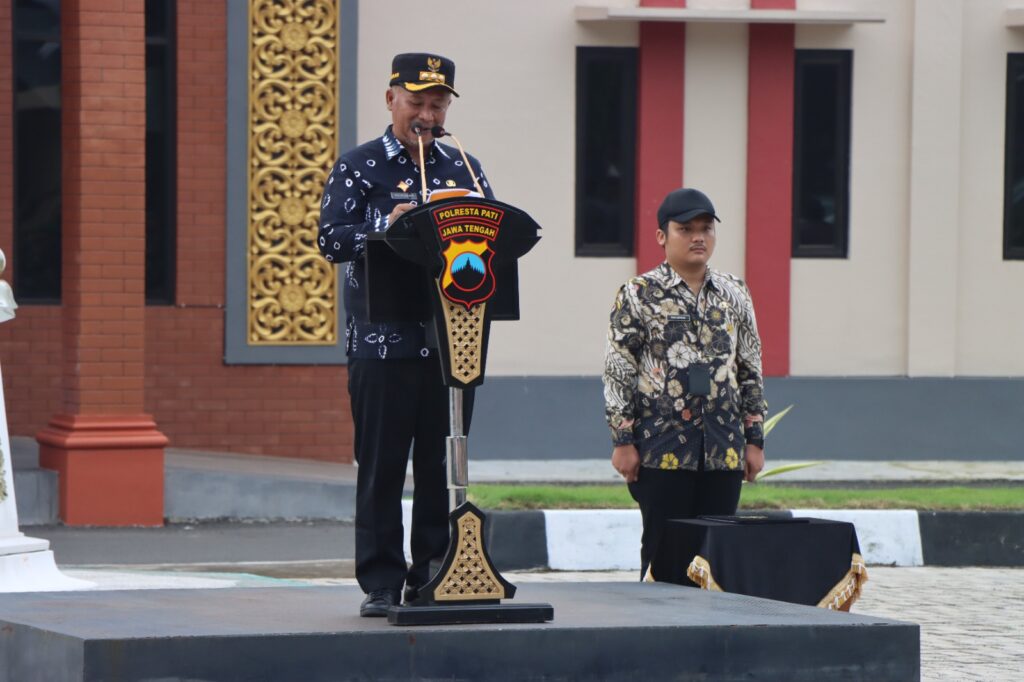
x: 456, y: 444
x: 438, y: 131
x: 423, y: 166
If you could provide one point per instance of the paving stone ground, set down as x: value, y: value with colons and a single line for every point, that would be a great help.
x: 972, y: 619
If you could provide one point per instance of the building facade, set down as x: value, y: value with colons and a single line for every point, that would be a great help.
x: 162, y: 163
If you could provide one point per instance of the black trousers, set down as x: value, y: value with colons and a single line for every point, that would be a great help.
x: 395, y: 404
x: 680, y: 494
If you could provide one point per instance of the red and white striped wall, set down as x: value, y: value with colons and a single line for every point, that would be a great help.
x: 921, y: 289
x: 660, y: 145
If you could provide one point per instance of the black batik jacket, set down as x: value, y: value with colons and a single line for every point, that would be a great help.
x: 363, y: 188
x: 658, y: 330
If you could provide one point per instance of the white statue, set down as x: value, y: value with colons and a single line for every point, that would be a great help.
x: 26, y: 564
x: 7, y: 304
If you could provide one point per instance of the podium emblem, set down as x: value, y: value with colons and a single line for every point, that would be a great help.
x: 452, y: 263
x: 467, y: 233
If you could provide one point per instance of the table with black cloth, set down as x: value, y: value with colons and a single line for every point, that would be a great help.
x: 801, y: 560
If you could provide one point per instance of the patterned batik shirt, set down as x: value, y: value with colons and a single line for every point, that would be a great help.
x: 659, y: 330
x: 363, y: 188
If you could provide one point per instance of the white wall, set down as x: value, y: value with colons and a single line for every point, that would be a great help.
x: 848, y: 317
x: 857, y: 316
x: 989, y: 316
x: 516, y: 72
x: 935, y: 125
x: 948, y: 306
x: 715, y: 122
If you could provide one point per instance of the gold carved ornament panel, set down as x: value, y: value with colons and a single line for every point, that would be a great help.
x: 293, y: 109
x: 465, y: 330
x: 469, y: 577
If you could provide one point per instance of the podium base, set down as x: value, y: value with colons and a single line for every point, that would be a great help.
x: 470, y: 614
x: 605, y: 632
x: 467, y: 588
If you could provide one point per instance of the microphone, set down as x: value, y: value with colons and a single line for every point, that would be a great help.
x: 438, y: 131
x: 418, y: 130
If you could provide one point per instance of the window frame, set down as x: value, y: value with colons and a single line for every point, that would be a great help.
x: 843, y: 59
x: 585, y: 57
x: 1013, y: 134
x: 19, y: 281
x: 168, y: 253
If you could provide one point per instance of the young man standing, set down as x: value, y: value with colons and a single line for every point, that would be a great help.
x: 684, y: 395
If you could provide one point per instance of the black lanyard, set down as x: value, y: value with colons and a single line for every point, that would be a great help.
x: 696, y: 316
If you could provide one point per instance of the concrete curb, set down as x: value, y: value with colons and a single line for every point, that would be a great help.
x: 607, y: 540
x: 208, y: 495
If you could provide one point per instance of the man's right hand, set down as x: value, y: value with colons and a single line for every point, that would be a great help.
x: 626, y: 461
x: 397, y: 212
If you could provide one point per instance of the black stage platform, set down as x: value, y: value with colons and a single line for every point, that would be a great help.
x: 601, y: 631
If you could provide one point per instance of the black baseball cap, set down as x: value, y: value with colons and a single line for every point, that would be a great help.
x: 417, y: 71
x: 685, y: 204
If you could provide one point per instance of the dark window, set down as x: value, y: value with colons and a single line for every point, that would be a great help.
x: 821, y: 153
x: 605, y: 150
x: 161, y: 159
x: 1013, y: 192
x: 37, y: 165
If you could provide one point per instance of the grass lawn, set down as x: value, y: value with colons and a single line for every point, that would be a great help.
x: 760, y: 496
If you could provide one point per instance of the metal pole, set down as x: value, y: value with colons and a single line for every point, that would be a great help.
x: 458, y: 453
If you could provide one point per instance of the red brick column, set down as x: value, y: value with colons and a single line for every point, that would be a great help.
x: 108, y: 453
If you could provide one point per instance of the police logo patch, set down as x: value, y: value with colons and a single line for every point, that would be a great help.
x: 467, y: 234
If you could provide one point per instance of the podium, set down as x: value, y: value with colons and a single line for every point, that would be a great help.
x: 453, y: 264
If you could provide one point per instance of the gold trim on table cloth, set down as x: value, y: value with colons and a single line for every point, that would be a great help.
x: 847, y: 591
x: 699, y: 571
x: 292, y: 141
x: 840, y: 597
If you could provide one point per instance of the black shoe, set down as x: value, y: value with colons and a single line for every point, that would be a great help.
x: 411, y: 594
x: 378, y: 602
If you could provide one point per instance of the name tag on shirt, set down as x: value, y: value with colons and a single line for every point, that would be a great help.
x: 404, y: 196
x: 678, y: 318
